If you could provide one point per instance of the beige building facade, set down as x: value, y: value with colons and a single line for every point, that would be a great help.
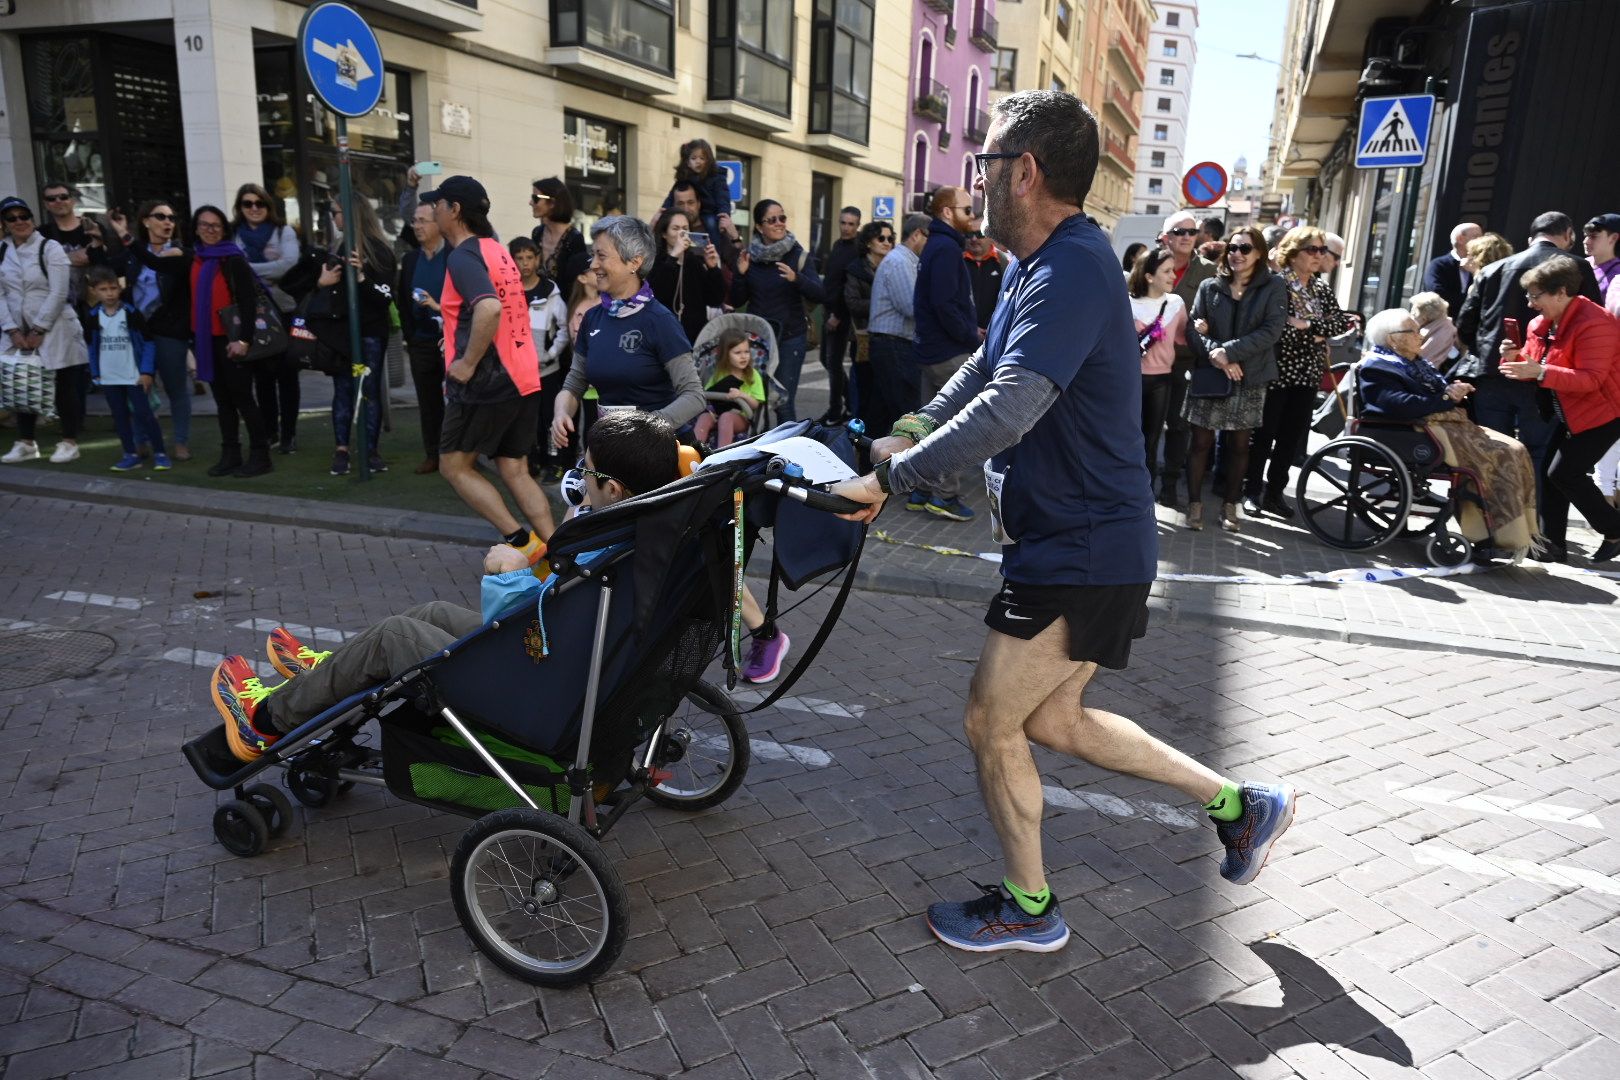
x: 186, y: 99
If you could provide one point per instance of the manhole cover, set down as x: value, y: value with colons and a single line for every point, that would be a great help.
x: 41, y: 656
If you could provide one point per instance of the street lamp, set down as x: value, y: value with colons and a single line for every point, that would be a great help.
x: 1257, y: 56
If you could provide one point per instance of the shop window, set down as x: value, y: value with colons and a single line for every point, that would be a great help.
x: 751, y: 53
x: 841, y: 68
x: 1006, y: 75
x: 298, y: 145
x: 594, y: 165
x: 640, y: 31
x: 104, y: 116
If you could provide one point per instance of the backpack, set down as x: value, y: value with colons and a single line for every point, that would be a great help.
x: 5, y: 246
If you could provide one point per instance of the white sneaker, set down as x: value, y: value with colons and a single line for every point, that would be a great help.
x: 64, y: 453
x: 21, y: 451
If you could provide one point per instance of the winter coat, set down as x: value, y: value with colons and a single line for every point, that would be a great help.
x: 34, y: 296
x: 1248, y: 329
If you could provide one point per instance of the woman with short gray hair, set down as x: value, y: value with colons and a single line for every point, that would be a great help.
x: 630, y: 348
x: 1439, y: 334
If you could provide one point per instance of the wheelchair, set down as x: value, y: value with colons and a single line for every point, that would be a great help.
x: 553, y: 719
x: 1375, y: 483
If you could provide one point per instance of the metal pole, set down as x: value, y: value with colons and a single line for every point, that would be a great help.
x: 1403, y: 239
x: 352, y: 286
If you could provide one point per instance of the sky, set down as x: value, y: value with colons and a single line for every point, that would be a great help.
x: 1232, y: 99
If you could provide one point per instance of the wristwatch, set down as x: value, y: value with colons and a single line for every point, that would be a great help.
x: 1542, y: 374
x: 882, y: 474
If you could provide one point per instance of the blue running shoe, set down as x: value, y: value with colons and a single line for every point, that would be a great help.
x: 160, y: 463
x: 917, y: 501
x: 955, y: 510
x: 1268, y: 810
x: 127, y: 462
x: 994, y: 922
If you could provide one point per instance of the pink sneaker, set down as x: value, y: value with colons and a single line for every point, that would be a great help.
x: 765, y: 656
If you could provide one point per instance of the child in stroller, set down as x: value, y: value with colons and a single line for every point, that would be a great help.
x: 626, y: 453
x: 735, y: 392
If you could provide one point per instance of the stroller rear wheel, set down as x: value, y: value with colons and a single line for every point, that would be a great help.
x: 272, y: 805
x: 703, y: 747
x: 537, y: 895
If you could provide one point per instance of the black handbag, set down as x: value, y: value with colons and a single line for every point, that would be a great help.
x: 1208, y: 382
x: 305, y: 346
x: 269, y: 332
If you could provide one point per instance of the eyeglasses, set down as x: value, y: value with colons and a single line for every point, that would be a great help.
x: 976, y: 235
x: 251, y: 204
x: 20, y: 215
x: 779, y: 219
x: 885, y: 238
x: 1393, y: 333
x: 968, y: 209
x: 1182, y: 232
x: 538, y: 199
x: 64, y: 197
x: 160, y: 216
x: 211, y: 225
x: 601, y: 477
x: 1239, y: 249
x: 981, y: 162
x: 1314, y: 249
x: 1533, y: 297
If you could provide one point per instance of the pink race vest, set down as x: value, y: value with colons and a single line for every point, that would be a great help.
x: 514, y: 340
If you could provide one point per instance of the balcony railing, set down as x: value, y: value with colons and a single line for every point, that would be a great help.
x: 1118, y: 151
x: 984, y: 31
x: 1126, y: 48
x: 977, y: 126
x: 944, y: 7
x: 933, y: 101
x: 1122, y: 104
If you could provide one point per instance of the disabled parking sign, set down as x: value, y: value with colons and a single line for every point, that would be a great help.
x: 883, y: 208
x: 1394, y: 132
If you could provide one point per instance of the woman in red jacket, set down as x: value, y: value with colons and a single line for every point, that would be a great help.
x: 1573, y: 350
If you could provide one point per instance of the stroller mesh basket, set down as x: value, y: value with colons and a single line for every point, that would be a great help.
x: 427, y: 762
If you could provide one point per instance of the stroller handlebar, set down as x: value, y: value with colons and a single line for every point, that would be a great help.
x: 815, y: 498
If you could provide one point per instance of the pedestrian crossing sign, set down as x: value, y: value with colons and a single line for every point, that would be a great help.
x: 1394, y: 132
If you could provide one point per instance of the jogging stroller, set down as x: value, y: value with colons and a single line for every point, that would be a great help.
x: 762, y: 341
x: 551, y: 721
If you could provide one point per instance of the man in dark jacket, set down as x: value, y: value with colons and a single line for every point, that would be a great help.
x: 947, y: 318
x: 985, y: 263
x: 1181, y: 232
x: 421, y: 281
x: 1499, y: 402
x: 835, y: 339
x: 1445, y: 275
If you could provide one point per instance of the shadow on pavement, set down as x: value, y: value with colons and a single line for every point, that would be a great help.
x: 1322, y: 1010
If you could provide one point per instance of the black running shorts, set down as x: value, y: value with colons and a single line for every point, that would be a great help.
x: 1103, y: 619
x: 505, y: 429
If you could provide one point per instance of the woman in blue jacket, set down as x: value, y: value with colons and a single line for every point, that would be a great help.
x: 775, y: 279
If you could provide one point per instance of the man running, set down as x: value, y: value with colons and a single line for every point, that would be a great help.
x: 1051, y: 406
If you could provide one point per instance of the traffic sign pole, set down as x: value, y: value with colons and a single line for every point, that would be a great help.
x: 353, y: 243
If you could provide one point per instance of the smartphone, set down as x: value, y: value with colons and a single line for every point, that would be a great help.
x: 700, y: 240
x: 429, y: 168
x: 1511, y: 332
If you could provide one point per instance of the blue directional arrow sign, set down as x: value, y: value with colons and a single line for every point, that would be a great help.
x: 1394, y: 132
x: 342, y: 58
x: 883, y: 208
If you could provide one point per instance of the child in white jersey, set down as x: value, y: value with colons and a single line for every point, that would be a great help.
x: 122, y: 360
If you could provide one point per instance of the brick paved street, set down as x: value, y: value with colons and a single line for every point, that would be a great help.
x: 1446, y: 904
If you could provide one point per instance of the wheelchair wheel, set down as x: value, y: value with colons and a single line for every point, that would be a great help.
x: 272, y: 805
x: 241, y: 828
x: 704, y: 748
x: 1369, y: 497
x: 1449, y: 549
x: 537, y: 895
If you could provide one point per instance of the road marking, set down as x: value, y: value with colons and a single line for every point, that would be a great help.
x: 1116, y: 807
x: 210, y: 660
x: 1557, y: 875
x: 298, y: 630
x: 765, y: 750
x: 1496, y: 804
x: 802, y: 704
x: 73, y: 596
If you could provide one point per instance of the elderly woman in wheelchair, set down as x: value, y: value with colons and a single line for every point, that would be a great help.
x: 1406, y: 428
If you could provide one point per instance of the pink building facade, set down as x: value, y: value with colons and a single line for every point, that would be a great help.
x: 953, y: 52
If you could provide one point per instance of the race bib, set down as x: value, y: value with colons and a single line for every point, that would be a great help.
x: 993, y: 482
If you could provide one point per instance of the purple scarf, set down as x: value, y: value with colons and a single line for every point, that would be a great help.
x: 618, y: 309
x: 202, y: 315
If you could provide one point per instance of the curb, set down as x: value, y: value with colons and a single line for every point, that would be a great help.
x: 447, y: 528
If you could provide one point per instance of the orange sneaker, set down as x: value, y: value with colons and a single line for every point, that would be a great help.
x: 238, y: 695
x: 290, y: 656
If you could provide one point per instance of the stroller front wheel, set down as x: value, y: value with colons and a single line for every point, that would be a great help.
x: 536, y: 894
x: 241, y: 828
x: 702, y: 751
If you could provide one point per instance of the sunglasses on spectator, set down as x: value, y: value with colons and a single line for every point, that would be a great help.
x: 1182, y: 232
x: 63, y: 197
x: 160, y: 216
x: 538, y: 199
x: 251, y: 204
x: 976, y: 235
x: 19, y: 215
x: 779, y: 219
x: 1315, y: 249
x: 885, y: 238
x: 1240, y: 249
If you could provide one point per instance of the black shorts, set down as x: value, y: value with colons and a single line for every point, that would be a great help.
x: 505, y: 429
x: 1103, y: 619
